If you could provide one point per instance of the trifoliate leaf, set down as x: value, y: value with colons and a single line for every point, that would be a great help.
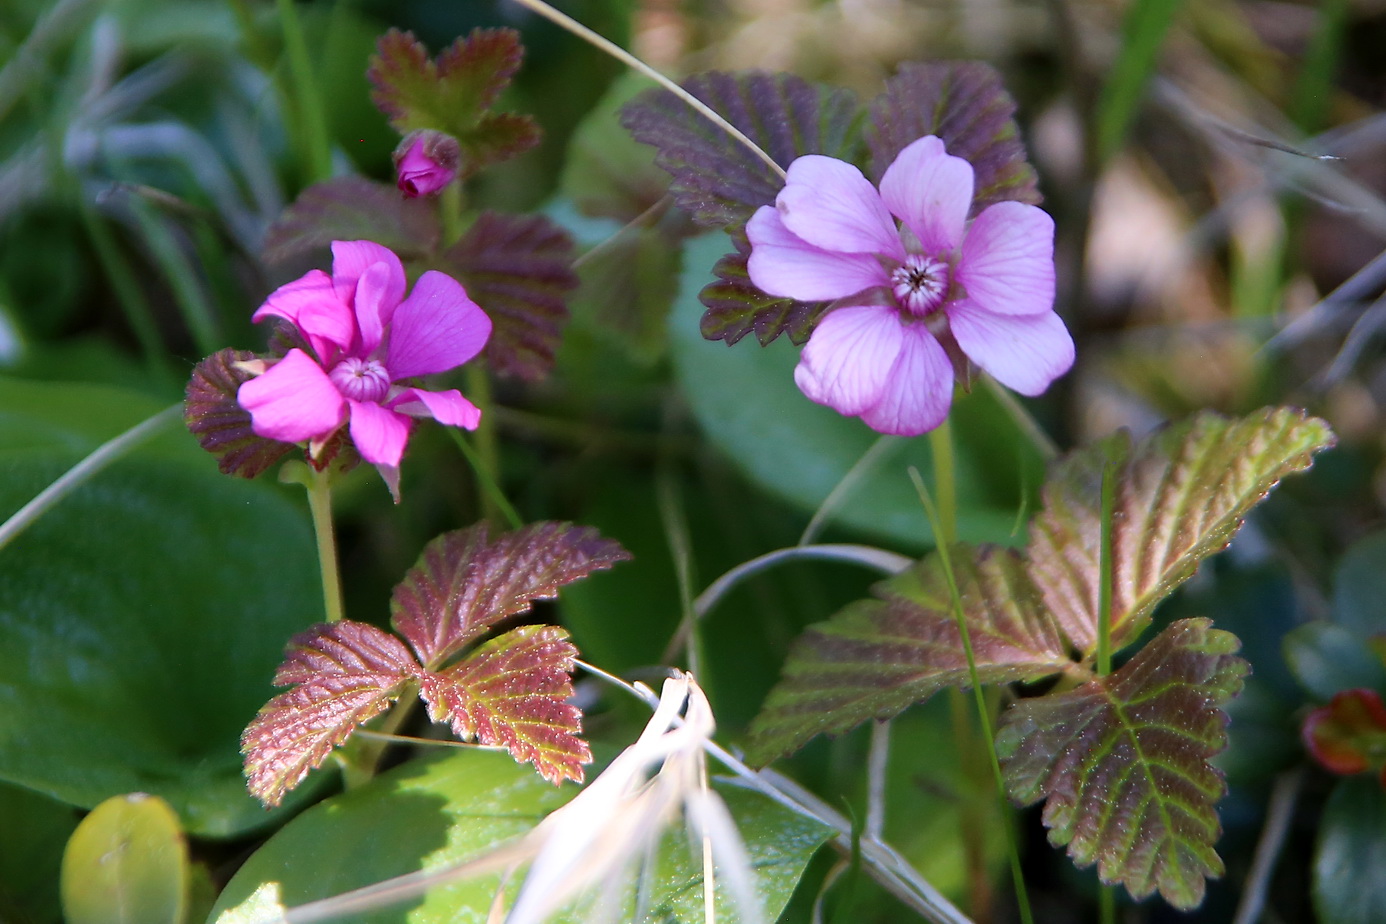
x: 512, y: 692
x: 1180, y: 496
x: 465, y: 582
x: 221, y: 425
x: 453, y: 93
x: 518, y: 268
x: 965, y: 104
x: 715, y: 178
x: 1122, y: 762
x: 735, y: 307
x: 351, y: 208
x: 346, y: 673
x: 878, y: 656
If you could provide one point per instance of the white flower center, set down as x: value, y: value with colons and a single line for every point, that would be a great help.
x: 361, y: 379
x: 919, y: 284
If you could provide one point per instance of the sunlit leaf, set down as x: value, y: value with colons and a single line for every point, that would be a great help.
x: 221, y: 425
x: 512, y: 692
x: 965, y: 104
x: 1122, y: 762
x: 878, y: 656
x: 465, y: 582
x: 518, y: 268
x: 351, y: 208
x: 1180, y: 496
x: 127, y: 863
x: 346, y: 673
x: 735, y: 307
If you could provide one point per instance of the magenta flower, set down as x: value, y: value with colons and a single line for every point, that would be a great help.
x: 909, y: 293
x: 365, y: 337
x: 425, y: 162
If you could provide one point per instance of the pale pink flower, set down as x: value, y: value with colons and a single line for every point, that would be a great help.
x: 365, y: 338
x: 905, y: 289
x: 425, y: 162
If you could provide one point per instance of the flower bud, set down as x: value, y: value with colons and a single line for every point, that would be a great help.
x: 425, y: 162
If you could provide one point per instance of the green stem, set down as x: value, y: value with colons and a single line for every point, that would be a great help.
x: 1106, y: 905
x: 1104, y: 576
x: 487, y: 462
x: 312, y: 121
x: 945, y: 483
x: 490, y: 489
x: 319, y: 487
x: 450, y: 213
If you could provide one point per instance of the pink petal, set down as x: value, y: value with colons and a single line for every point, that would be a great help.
x: 436, y: 329
x: 785, y: 265
x: 311, y: 304
x: 294, y: 401
x: 446, y: 407
x: 1007, y: 264
x: 919, y: 390
x: 374, y: 306
x: 351, y: 259
x: 1025, y: 353
x: 931, y: 191
x: 379, y: 434
x: 829, y: 204
x: 849, y: 357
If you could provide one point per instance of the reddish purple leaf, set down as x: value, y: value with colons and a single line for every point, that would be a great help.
x: 351, y: 208
x: 465, y: 582
x: 346, y: 673
x: 735, y: 307
x: 513, y: 692
x: 518, y: 268
x: 965, y: 104
x: 1349, y: 734
x: 221, y: 425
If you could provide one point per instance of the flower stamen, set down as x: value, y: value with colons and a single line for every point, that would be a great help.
x: 361, y: 379
x: 919, y: 284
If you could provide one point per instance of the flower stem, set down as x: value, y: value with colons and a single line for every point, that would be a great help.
x: 319, y: 487
x: 487, y: 461
x: 945, y: 483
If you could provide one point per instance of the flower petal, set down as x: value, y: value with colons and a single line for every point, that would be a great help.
x: 785, y: 265
x: 446, y: 407
x: 310, y: 303
x: 931, y: 191
x: 849, y: 357
x: 374, y: 308
x: 436, y: 329
x: 1023, y: 352
x: 828, y: 203
x: 1007, y: 264
x: 351, y: 259
x: 919, y: 389
x: 293, y: 401
x: 379, y: 433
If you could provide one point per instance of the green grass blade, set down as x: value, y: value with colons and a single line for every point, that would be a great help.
x: 1143, y: 34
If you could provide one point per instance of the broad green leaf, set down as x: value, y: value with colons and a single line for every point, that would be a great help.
x: 965, y: 104
x: 606, y: 172
x: 1122, y: 762
x: 1359, y: 587
x: 350, y: 208
x: 1351, y: 853
x: 126, y: 863
x: 879, y: 656
x: 221, y: 425
x: 465, y: 581
x: 518, y: 268
x: 142, y: 617
x: 1180, y: 496
x: 35, y: 829
x: 1327, y: 659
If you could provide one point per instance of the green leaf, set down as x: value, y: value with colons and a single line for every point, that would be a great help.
x: 965, y: 104
x: 31, y: 852
x: 1359, y: 587
x: 1180, y: 496
x: 1327, y: 659
x: 1142, y: 33
x: 879, y: 656
x: 221, y: 425
x: 1122, y: 762
x: 1351, y: 853
x: 126, y: 863
x: 351, y: 208
x: 606, y: 172
x: 141, y: 618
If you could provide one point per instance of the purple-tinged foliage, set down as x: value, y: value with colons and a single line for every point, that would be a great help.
x: 518, y: 268
x: 465, y: 581
x: 735, y: 307
x: 221, y: 425
x: 1122, y: 762
x: 878, y: 656
x: 454, y: 93
x: 965, y: 104
x: 350, y: 208
x: 1348, y: 735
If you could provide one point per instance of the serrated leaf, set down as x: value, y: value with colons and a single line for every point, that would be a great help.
x: 878, y: 656
x: 965, y: 104
x: 1122, y: 762
x: 513, y: 692
x: 346, y: 674
x: 715, y: 178
x: 221, y: 425
x: 518, y: 268
x: 465, y: 582
x: 735, y: 307
x: 1180, y: 496
x: 350, y: 208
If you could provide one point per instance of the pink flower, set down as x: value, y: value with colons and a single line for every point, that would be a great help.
x: 365, y: 337
x: 425, y: 162
x: 905, y: 290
